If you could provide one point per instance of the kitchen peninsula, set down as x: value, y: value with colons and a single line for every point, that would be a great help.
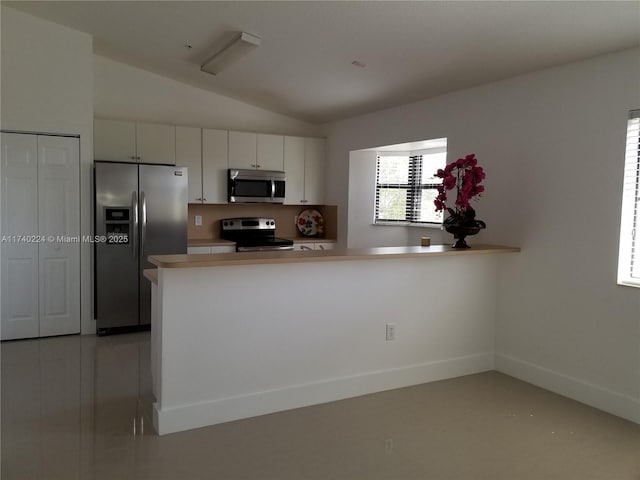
x: 244, y: 334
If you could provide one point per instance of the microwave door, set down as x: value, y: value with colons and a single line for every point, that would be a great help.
x: 245, y: 190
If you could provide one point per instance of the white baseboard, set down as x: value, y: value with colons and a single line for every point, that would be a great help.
x: 616, y: 403
x: 185, y: 417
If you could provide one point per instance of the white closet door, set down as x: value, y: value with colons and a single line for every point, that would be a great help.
x: 19, y: 225
x: 59, y: 218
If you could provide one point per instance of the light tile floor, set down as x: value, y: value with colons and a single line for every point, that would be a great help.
x: 77, y: 408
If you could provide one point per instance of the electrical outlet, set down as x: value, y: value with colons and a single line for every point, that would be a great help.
x: 198, y: 219
x: 391, y: 331
x: 388, y: 446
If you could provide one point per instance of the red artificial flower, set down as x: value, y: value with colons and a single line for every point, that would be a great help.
x: 465, y: 176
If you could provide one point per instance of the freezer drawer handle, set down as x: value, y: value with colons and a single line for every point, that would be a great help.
x: 143, y: 201
x: 134, y: 233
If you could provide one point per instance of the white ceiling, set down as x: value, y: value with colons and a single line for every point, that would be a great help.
x: 412, y: 50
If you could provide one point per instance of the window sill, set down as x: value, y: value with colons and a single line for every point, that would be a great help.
x: 412, y: 225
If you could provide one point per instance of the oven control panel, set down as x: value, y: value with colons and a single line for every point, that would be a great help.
x: 252, y: 223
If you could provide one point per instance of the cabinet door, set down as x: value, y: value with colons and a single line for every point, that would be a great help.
x: 19, y: 222
x: 303, y: 246
x: 223, y: 249
x: 242, y: 150
x: 214, y: 166
x: 156, y: 143
x: 114, y: 140
x: 197, y: 250
x: 59, y: 217
x: 270, y: 152
x: 294, y: 170
x: 314, y: 167
x: 189, y: 154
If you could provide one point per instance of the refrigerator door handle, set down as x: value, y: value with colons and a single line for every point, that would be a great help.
x: 134, y: 233
x: 143, y: 201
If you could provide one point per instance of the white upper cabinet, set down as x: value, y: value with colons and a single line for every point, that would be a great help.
x: 189, y: 154
x: 304, y: 164
x: 156, y: 143
x: 120, y: 141
x: 270, y: 152
x: 214, y: 165
x: 294, y: 170
x: 114, y: 140
x: 243, y: 150
x: 256, y: 151
x: 314, y: 168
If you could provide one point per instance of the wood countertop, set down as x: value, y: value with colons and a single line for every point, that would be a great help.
x: 219, y: 242
x: 262, y: 258
x: 151, y: 274
x: 210, y: 242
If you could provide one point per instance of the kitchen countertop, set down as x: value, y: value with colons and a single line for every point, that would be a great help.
x: 219, y: 242
x: 258, y: 258
x: 209, y: 242
x: 151, y: 274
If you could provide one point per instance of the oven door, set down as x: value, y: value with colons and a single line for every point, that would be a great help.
x: 256, y: 186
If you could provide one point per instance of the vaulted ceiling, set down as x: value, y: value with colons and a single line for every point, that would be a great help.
x: 304, y: 68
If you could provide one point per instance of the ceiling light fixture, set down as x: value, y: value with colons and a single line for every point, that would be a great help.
x: 241, y: 45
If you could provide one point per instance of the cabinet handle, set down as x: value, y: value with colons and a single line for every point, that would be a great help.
x: 304, y: 201
x: 199, y: 199
x: 257, y: 166
x: 320, y: 247
x: 204, y: 199
x: 133, y: 157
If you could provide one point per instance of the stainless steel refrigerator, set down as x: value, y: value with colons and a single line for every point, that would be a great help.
x: 140, y: 210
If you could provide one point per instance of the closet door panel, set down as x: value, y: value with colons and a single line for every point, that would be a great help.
x: 59, y: 222
x: 20, y: 234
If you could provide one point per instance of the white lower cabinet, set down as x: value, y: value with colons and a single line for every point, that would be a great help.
x: 212, y: 249
x: 303, y: 246
x: 40, y: 228
x: 313, y: 246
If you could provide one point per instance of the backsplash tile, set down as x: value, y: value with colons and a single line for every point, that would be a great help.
x: 284, y: 216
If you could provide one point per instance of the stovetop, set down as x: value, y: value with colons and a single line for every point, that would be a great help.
x: 253, y: 234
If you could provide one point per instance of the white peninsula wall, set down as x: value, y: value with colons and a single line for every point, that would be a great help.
x: 233, y: 341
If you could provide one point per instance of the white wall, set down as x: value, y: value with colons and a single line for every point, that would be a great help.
x: 552, y: 144
x: 125, y: 92
x: 47, y: 87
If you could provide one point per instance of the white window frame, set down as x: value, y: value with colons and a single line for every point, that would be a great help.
x: 629, y: 248
x: 414, y: 199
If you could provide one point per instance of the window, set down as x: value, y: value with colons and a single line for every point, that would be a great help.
x: 406, y: 187
x: 629, y: 253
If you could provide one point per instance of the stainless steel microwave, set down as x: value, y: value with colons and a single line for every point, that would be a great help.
x: 255, y: 186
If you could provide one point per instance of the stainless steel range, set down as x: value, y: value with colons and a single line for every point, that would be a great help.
x: 253, y: 234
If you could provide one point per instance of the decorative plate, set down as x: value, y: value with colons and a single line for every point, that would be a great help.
x: 310, y: 223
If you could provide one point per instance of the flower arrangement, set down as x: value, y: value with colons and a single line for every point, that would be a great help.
x: 465, y: 176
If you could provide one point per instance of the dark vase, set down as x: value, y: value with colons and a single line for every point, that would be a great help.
x: 460, y: 232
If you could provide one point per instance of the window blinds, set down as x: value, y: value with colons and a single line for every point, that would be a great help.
x: 629, y: 252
